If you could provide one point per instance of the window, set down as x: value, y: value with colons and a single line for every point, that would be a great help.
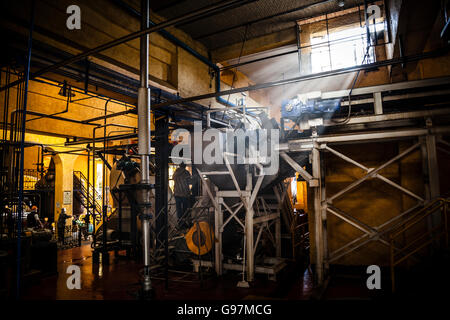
x: 342, y: 49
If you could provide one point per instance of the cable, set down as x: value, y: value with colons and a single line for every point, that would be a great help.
x: 239, y: 60
x: 347, y: 119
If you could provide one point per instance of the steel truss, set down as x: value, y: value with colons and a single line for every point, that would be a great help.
x: 425, y: 140
x: 258, y: 215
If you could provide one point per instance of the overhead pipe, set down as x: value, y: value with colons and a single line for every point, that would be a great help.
x: 50, y: 116
x: 187, y: 48
x: 66, y: 91
x: 190, y: 17
x: 369, y: 66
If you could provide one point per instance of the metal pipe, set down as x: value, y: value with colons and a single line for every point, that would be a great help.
x: 50, y: 116
x: 190, y: 17
x: 299, y: 50
x: 22, y: 151
x: 69, y: 99
x: 336, y: 72
x: 104, y: 205
x: 144, y: 144
x: 94, y: 170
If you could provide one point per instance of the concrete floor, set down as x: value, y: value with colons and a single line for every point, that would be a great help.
x: 120, y: 281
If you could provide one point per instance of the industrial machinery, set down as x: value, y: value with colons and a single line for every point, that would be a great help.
x: 123, y: 223
x: 309, y: 110
x: 247, y: 200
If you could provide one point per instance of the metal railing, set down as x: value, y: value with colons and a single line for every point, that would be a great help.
x: 433, y: 235
x: 87, y: 195
x: 70, y: 237
x: 30, y: 178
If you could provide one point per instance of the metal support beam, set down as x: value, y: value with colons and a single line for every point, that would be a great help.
x: 432, y: 177
x: 324, y: 205
x: 190, y: 17
x: 318, y: 230
x: 370, y: 233
x: 379, y: 64
x: 298, y: 168
x: 161, y: 187
x: 378, y: 103
x: 249, y: 230
x: 373, y: 173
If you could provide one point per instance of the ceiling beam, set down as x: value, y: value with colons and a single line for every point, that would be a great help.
x: 207, y: 35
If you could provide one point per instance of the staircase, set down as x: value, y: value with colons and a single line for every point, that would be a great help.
x: 296, y: 225
x: 85, y: 192
x: 409, y: 240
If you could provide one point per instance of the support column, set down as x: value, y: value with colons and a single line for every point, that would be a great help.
x: 144, y: 140
x: 249, y: 230
x: 378, y: 103
x: 433, y: 176
x: 323, y: 202
x: 217, y: 230
x: 318, y: 227
x: 161, y: 187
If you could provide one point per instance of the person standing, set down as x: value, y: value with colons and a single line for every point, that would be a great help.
x: 62, y: 225
x: 33, y: 221
x: 182, y: 179
x: 87, y: 221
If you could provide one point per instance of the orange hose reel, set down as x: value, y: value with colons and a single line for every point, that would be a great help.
x: 201, y: 242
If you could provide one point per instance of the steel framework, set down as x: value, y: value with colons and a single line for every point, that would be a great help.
x: 258, y: 215
x: 423, y: 140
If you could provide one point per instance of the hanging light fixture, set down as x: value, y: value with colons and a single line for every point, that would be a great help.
x: 66, y: 91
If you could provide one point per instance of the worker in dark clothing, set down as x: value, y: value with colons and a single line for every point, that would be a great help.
x: 33, y: 221
x: 62, y: 225
x: 86, y: 223
x: 182, y: 179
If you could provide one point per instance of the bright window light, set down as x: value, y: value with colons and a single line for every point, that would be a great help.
x: 342, y: 49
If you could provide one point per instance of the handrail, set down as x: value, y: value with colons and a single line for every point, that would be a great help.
x: 92, y: 203
x: 427, y: 207
x: 439, y: 204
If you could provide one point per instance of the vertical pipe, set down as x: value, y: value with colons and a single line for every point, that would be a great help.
x: 144, y: 143
x: 328, y: 41
x: 297, y: 33
x: 366, y: 18
x: 105, y: 258
x: 94, y: 218
x: 87, y: 188
x: 22, y: 147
